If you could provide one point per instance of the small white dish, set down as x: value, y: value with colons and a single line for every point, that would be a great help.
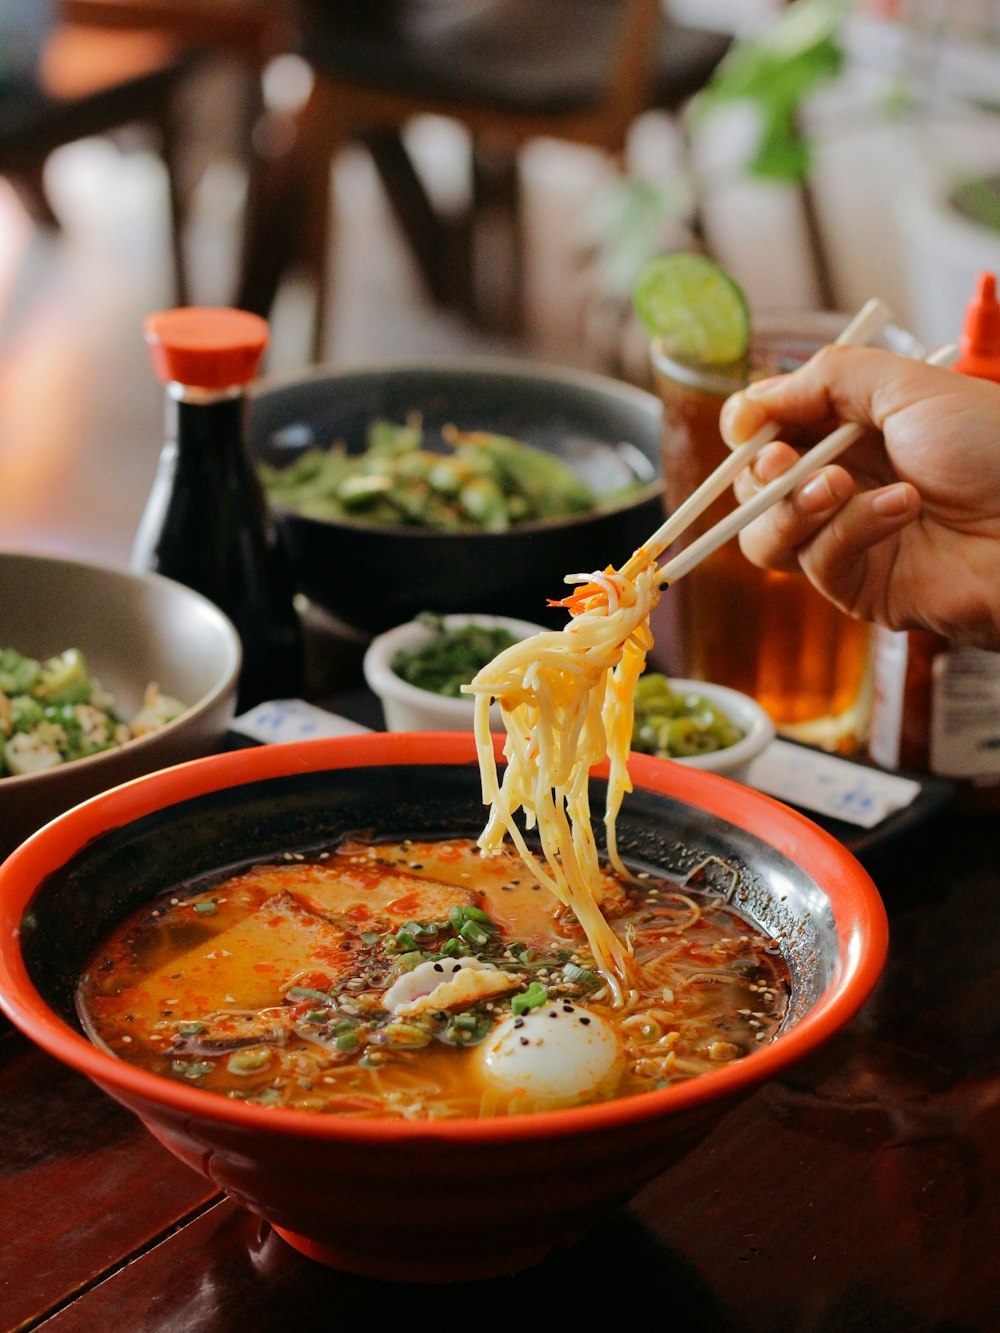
x: 756, y: 724
x: 407, y: 707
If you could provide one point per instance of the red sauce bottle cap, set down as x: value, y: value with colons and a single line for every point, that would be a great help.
x: 980, y: 341
x: 207, y: 347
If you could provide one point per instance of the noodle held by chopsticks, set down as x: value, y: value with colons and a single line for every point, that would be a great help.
x: 566, y: 699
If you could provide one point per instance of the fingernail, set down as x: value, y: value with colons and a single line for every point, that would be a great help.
x: 891, y: 502
x: 729, y: 418
x: 759, y: 469
x: 816, y: 494
x: 762, y: 388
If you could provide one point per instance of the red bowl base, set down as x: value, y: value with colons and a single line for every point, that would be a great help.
x: 384, y: 1267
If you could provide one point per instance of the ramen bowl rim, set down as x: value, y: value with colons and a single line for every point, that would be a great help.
x: 861, y: 924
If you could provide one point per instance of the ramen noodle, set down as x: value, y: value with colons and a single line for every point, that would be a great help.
x: 566, y: 700
x: 426, y: 979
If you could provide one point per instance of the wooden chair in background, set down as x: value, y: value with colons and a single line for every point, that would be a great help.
x: 109, y: 65
x: 509, y: 71
x: 95, y: 83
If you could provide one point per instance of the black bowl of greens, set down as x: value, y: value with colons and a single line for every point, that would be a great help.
x: 436, y: 486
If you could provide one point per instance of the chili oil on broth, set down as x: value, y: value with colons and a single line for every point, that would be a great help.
x: 422, y: 979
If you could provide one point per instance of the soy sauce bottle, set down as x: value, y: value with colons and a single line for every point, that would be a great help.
x: 206, y: 522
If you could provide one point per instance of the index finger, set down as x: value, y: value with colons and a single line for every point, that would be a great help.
x: 859, y: 384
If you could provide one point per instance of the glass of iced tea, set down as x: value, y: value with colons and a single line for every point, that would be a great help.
x: 770, y: 635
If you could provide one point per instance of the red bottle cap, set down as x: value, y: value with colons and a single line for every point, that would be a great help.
x: 980, y: 341
x: 207, y: 347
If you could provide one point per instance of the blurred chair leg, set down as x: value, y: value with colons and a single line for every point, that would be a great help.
x: 272, y: 214
x: 29, y: 185
x: 172, y: 150
x: 289, y: 214
x: 428, y: 235
x: 818, y: 251
x: 497, y: 224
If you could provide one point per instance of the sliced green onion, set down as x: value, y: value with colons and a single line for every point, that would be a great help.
x: 406, y: 1034
x: 269, y: 1097
x: 573, y: 972
x: 304, y: 993
x: 535, y: 995
x: 198, y: 1068
x: 473, y: 932
x: 248, y: 1061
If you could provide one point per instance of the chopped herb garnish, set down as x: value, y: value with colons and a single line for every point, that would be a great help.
x: 198, y: 1068
x: 296, y: 993
x: 248, y: 1061
x: 406, y: 1034
x: 582, y: 975
x: 474, y: 933
x: 269, y: 1097
x: 206, y: 907
x: 535, y: 995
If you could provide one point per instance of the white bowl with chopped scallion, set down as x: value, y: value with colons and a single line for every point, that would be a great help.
x: 417, y: 669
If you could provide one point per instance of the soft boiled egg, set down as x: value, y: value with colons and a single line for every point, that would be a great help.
x: 554, y: 1055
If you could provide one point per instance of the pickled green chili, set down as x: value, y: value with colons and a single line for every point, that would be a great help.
x: 676, y: 725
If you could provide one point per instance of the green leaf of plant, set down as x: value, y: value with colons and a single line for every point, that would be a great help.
x: 776, y: 70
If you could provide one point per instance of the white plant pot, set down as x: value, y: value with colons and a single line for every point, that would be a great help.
x: 943, y: 253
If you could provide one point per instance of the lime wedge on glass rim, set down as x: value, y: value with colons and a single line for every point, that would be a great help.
x: 693, y: 309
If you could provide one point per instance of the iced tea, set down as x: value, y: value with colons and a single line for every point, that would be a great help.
x: 771, y: 635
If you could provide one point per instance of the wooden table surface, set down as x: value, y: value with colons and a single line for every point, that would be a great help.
x: 861, y: 1191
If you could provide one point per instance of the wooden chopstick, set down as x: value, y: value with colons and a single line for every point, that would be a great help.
x: 825, y: 452
x: 867, y: 324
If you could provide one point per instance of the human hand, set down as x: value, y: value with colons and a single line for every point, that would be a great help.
x: 905, y: 529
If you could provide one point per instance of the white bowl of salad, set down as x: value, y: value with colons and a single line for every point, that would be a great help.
x: 104, y: 675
